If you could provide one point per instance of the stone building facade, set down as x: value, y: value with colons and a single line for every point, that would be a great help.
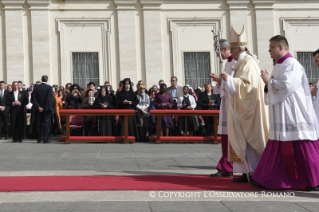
x: 80, y: 40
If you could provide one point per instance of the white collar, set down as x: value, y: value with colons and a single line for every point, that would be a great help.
x: 241, y: 56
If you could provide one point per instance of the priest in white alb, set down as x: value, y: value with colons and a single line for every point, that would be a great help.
x: 224, y: 167
x: 291, y: 157
x: 247, y: 121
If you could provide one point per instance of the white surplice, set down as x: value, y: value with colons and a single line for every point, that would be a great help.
x: 316, y: 104
x: 291, y: 113
x: 221, y: 89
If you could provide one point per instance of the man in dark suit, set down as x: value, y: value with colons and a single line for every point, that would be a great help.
x: 4, y: 111
x: 41, y: 99
x: 17, y: 100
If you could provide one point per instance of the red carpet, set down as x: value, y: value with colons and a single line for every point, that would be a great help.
x: 145, y: 182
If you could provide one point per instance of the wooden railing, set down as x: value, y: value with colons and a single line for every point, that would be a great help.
x: 159, y: 113
x: 126, y: 113
x: 88, y: 112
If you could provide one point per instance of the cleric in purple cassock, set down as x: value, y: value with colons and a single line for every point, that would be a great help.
x: 291, y: 157
x: 224, y: 167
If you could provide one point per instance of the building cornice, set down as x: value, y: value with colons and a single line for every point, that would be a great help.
x: 13, y: 4
x: 38, y: 4
x: 125, y: 4
x: 263, y: 4
x: 238, y: 4
x: 151, y: 4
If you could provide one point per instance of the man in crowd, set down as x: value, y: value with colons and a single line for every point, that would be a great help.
x: 175, y: 90
x: 91, y: 85
x: 224, y: 167
x: 41, y: 99
x: 20, y: 86
x: 4, y: 111
x: 17, y: 100
x: 247, y: 123
x: 291, y: 157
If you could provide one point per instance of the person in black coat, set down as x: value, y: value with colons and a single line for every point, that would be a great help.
x: 208, y: 101
x: 104, y: 101
x: 4, y: 111
x: 42, y: 102
x: 17, y: 101
x: 126, y: 99
x: 74, y: 98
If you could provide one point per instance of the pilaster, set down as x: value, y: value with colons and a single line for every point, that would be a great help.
x: 127, y: 40
x: 264, y: 30
x: 152, y: 40
x: 40, y: 38
x: 14, y: 39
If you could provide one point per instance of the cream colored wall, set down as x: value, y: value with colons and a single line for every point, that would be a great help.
x: 142, y: 39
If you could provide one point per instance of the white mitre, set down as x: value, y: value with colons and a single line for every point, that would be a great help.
x: 238, y: 39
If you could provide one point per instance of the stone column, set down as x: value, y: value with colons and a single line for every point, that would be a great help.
x: 238, y: 14
x: 3, y: 74
x: 265, y: 30
x: 153, y: 41
x: 40, y: 38
x: 127, y: 39
x: 14, y: 40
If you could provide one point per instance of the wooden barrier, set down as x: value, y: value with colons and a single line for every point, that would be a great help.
x: 97, y: 112
x: 159, y: 113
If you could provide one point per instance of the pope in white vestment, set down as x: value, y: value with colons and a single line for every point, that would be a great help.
x: 247, y: 123
x: 291, y: 157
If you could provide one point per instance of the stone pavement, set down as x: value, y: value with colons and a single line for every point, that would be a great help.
x: 32, y: 159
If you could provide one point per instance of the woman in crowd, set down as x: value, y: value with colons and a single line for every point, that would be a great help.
x: 164, y: 100
x: 143, y: 113
x: 187, y: 124
x: 56, y: 120
x: 208, y: 101
x: 9, y: 88
x: 126, y: 99
x: 88, y: 120
x: 74, y: 98
x: 104, y: 101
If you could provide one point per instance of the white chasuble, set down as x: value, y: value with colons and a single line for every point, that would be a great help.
x: 247, y: 115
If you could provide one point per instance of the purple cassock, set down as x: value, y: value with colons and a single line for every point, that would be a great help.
x: 160, y: 102
x: 291, y: 156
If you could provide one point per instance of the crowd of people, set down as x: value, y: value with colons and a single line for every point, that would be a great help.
x: 126, y: 96
x: 268, y: 121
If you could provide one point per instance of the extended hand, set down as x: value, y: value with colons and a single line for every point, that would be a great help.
x: 40, y: 109
x: 265, y: 76
x: 215, y: 77
x: 224, y: 76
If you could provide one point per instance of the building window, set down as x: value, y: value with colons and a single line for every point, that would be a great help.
x: 85, y: 68
x: 306, y: 60
x: 197, y: 68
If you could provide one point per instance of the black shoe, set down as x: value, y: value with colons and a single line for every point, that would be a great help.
x: 14, y: 140
x: 39, y: 141
x: 47, y: 141
x: 254, y: 183
x: 20, y: 140
x: 221, y: 173
x: 241, y: 179
x: 309, y: 188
